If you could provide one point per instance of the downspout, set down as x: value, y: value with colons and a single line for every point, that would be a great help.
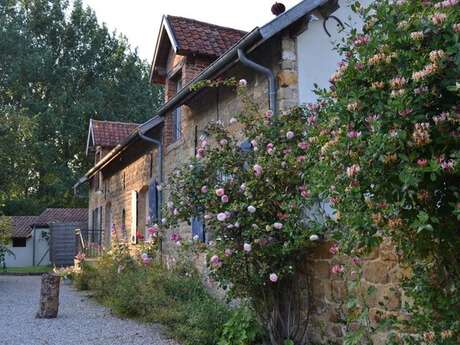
x: 33, y: 246
x: 267, y: 72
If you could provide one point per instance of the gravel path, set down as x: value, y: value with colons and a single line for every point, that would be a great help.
x: 80, y: 321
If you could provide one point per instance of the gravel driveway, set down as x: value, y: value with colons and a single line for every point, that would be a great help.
x: 80, y: 321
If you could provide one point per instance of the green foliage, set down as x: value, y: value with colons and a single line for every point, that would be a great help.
x: 242, y: 329
x: 5, y: 238
x: 177, y: 299
x: 59, y: 68
x: 385, y: 152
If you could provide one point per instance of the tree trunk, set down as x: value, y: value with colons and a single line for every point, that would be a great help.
x: 49, y: 297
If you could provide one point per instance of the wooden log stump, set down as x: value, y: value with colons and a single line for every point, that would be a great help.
x: 49, y: 296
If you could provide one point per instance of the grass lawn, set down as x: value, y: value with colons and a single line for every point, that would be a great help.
x: 31, y: 269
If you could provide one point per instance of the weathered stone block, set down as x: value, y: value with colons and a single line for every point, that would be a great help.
x: 287, y: 78
x: 377, y: 271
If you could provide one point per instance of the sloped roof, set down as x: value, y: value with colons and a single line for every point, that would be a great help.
x: 22, y: 226
x: 109, y: 134
x: 62, y: 215
x: 195, y: 37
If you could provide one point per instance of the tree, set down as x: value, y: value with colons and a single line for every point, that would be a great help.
x: 5, y: 238
x: 59, y: 68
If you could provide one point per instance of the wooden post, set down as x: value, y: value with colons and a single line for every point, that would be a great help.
x: 49, y: 296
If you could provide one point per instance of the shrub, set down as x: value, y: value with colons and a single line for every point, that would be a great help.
x: 175, y: 298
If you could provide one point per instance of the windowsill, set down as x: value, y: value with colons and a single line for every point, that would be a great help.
x: 175, y: 145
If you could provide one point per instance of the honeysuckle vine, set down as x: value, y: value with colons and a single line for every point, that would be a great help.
x: 380, y: 148
x: 386, y: 147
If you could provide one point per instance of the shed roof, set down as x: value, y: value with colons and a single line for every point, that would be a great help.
x: 62, y: 215
x: 22, y: 226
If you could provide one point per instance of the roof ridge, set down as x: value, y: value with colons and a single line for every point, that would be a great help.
x: 206, y: 23
x: 115, y: 122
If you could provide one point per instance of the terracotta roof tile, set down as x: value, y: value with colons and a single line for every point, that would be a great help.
x: 22, y: 226
x: 62, y: 215
x: 195, y: 37
x: 110, y: 134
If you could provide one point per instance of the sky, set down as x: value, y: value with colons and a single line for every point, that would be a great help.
x: 139, y: 20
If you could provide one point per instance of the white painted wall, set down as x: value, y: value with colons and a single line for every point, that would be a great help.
x: 24, y: 255
x: 317, y: 60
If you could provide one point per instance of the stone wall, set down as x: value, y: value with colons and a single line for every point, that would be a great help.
x: 216, y: 104
x: 329, y: 291
x: 115, y: 195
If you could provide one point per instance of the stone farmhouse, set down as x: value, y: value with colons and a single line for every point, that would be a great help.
x: 282, y: 62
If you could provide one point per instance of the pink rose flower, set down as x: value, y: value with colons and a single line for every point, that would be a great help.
x: 200, y: 153
x: 448, y: 165
x: 422, y: 162
x: 269, y: 114
x: 305, y: 194
x: 204, y: 189
x: 221, y: 217
x: 215, y: 261
x: 175, y: 237
x: 153, y: 230
x: 303, y: 145
x: 278, y: 226
x: 337, y: 269
x: 356, y: 261
x: 353, y: 170
x: 220, y: 192
x: 290, y: 135
x: 334, y: 249
x: 251, y: 209
x: 224, y: 199
x: 273, y: 277
x: 223, y: 142
x: 354, y: 134
x: 228, y: 252
x: 257, y: 170
x: 247, y: 247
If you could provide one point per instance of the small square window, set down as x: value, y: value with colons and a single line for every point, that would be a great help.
x: 19, y: 242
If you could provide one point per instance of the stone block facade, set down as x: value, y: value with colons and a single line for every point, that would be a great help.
x: 114, y: 197
x: 380, y: 273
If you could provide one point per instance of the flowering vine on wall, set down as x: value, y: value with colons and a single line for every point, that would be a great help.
x: 381, y: 147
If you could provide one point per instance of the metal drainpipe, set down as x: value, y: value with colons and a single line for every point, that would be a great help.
x: 33, y: 246
x: 267, y: 72
x: 160, y: 165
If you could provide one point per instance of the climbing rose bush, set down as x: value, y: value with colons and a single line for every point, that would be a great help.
x: 385, y: 153
x: 248, y: 185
